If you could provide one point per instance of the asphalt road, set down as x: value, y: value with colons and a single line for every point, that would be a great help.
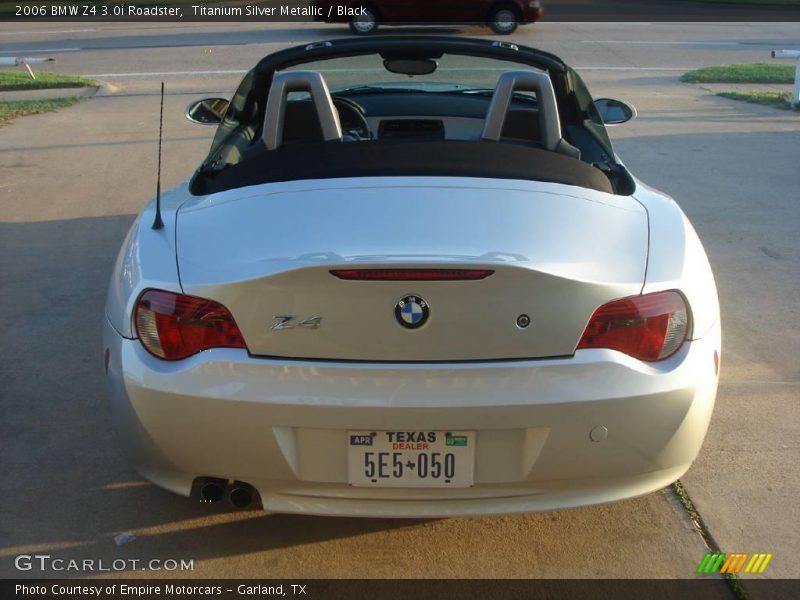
x: 71, y: 182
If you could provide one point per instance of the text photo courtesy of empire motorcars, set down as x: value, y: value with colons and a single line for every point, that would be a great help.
x: 400, y: 298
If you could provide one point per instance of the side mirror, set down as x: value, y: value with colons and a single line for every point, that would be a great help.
x: 208, y: 111
x: 613, y: 111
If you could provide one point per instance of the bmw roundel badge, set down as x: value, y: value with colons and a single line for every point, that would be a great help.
x: 411, y: 311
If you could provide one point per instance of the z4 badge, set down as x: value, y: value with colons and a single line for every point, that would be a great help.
x: 288, y: 322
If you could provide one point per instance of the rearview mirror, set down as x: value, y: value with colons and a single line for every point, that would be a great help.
x: 208, y: 111
x: 410, y: 66
x: 613, y: 111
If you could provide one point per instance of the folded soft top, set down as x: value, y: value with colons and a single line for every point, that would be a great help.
x: 382, y: 158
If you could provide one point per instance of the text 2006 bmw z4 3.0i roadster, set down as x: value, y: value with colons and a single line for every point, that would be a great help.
x: 412, y: 279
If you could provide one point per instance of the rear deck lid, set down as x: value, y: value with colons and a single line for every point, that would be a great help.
x: 555, y: 253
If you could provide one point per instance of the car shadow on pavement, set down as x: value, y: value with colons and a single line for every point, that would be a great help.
x: 66, y: 487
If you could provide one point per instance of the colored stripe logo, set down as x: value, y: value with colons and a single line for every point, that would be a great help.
x: 737, y: 562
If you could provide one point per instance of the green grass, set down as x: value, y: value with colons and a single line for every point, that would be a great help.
x: 19, y: 108
x: 773, y: 99
x: 742, y: 73
x: 21, y: 80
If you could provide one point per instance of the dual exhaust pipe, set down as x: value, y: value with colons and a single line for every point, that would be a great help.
x: 239, y: 494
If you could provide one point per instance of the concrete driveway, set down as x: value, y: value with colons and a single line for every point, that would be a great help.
x: 71, y: 183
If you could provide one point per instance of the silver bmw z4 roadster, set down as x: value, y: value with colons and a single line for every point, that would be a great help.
x: 412, y: 279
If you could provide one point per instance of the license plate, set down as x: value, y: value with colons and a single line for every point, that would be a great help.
x: 411, y: 458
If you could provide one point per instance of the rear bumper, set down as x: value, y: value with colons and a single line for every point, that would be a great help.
x: 281, y: 425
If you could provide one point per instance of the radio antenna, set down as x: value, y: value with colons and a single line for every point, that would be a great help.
x: 157, y: 222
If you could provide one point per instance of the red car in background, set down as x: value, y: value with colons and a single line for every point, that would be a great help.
x: 364, y: 16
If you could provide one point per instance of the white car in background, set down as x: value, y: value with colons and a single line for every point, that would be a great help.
x: 412, y: 279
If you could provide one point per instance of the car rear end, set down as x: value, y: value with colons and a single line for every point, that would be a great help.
x: 531, y: 374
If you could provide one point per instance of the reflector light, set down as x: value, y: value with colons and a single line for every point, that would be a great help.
x: 650, y: 327
x: 174, y: 326
x: 412, y: 274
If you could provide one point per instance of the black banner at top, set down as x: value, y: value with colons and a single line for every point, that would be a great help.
x: 414, y: 12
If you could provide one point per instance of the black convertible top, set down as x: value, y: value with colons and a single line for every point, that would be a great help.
x: 378, y: 158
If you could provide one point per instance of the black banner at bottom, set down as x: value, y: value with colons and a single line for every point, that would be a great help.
x: 405, y: 589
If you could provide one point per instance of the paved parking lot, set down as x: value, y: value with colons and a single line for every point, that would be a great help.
x: 71, y: 183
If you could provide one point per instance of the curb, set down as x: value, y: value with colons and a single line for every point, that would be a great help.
x: 48, y: 93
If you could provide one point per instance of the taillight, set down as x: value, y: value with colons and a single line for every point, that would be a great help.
x: 173, y: 326
x: 650, y: 327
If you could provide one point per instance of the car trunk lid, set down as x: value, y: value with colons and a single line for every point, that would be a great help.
x: 556, y: 253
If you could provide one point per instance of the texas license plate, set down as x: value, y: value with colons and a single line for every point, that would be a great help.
x: 411, y: 458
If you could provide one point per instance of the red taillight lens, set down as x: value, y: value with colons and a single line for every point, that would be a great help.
x: 412, y: 274
x: 173, y: 326
x: 650, y: 327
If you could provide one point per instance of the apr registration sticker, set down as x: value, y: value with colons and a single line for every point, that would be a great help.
x: 361, y: 440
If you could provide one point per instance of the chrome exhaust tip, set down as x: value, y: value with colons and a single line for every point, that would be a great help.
x: 211, y: 492
x: 240, y: 495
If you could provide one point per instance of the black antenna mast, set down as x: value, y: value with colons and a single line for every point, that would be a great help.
x: 157, y: 222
